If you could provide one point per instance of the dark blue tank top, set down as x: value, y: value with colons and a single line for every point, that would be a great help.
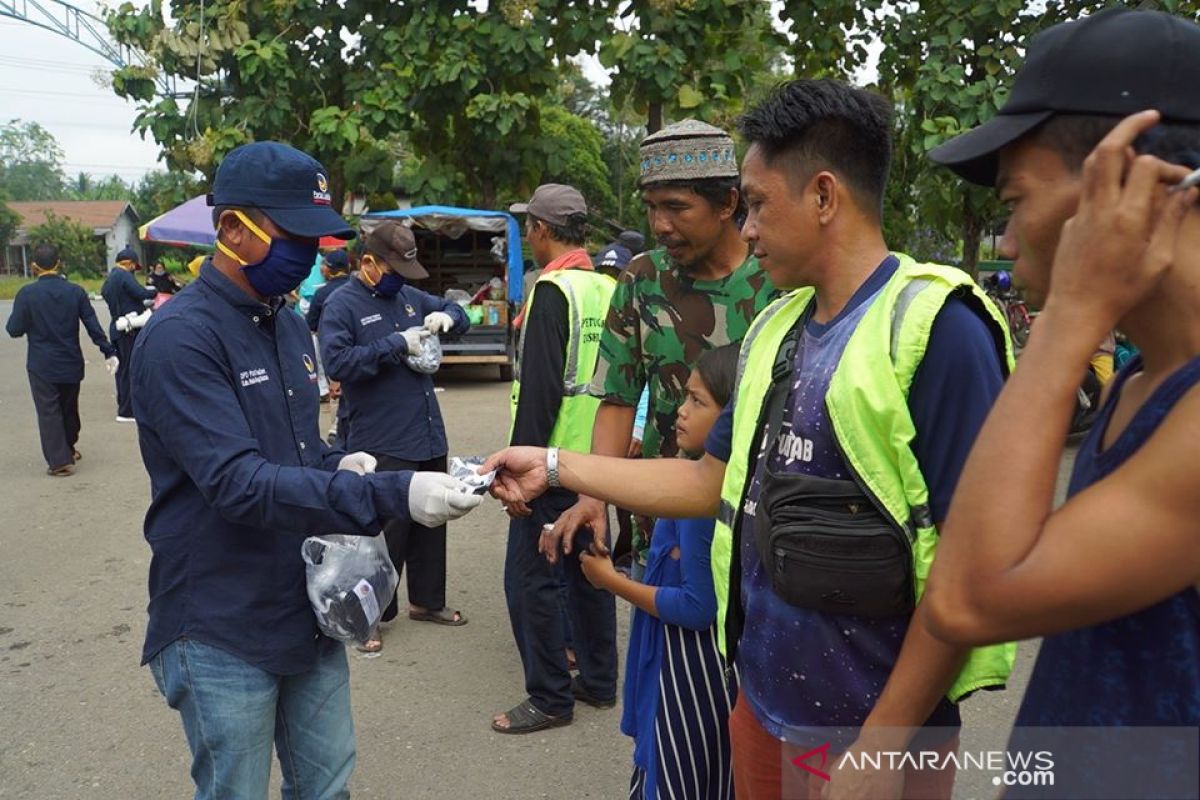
x: 1140, y: 669
x: 1117, y: 704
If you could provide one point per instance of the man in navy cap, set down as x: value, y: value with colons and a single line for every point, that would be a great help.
x: 124, y: 295
x: 225, y: 395
x: 48, y: 311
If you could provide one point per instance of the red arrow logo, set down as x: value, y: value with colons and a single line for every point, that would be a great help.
x: 822, y: 751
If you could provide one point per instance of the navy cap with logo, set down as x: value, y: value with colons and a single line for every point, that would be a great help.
x: 1116, y: 62
x: 289, y: 186
x: 337, y: 261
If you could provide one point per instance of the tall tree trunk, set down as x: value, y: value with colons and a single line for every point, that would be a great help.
x: 654, y: 121
x: 972, y: 232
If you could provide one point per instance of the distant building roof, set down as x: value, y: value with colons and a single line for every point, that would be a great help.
x: 100, y: 215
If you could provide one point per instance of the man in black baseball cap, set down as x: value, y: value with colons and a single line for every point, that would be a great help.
x: 226, y: 400
x: 1089, y: 153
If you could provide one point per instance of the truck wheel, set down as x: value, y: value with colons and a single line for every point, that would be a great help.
x: 506, y: 372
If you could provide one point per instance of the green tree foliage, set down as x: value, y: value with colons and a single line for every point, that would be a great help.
x: 279, y: 70
x: 9, y: 222
x: 949, y: 64
x: 87, y: 187
x: 159, y: 191
x: 30, y: 162
x: 688, y: 58
x: 80, y: 251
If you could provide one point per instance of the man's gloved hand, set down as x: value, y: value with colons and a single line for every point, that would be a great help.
x: 438, y: 322
x: 111, y: 363
x: 435, y: 497
x: 359, y: 463
x: 413, y: 339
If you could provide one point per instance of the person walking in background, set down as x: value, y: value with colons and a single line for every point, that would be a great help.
x: 124, y: 295
x: 49, y: 312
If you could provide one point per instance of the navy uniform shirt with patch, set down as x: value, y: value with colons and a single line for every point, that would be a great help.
x: 48, y: 311
x: 804, y: 671
x: 393, y: 409
x: 226, y: 400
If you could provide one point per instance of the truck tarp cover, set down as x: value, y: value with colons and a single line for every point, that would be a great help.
x: 454, y: 222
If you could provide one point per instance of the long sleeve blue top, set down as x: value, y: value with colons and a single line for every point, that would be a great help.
x: 392, y: 409
x: 48, y: 312
x: 123, y: 294
x: 225, y: 395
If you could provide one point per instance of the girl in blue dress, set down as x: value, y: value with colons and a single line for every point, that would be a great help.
x: 676, y: 700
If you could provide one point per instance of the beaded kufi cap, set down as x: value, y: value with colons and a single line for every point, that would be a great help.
x: 686, y: 151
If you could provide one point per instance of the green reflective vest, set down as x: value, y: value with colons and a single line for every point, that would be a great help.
x: 588, y: 294
x: 867, y: 405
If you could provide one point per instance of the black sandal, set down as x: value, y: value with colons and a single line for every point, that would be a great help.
x: 526, y: 718
x: 584, y: 696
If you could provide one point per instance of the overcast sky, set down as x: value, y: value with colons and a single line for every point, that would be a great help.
x: 47, y: 78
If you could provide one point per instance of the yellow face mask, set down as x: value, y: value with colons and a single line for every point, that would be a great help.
x: 250, y: 226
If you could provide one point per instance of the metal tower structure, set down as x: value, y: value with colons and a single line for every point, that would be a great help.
x: 81, y: 27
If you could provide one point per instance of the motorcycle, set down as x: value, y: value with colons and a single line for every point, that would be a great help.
x: 999, y: 287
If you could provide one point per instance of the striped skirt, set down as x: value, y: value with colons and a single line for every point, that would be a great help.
x: 691, y: 727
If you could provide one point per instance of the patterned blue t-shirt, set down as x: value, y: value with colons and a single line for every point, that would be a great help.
x: 802, y: 669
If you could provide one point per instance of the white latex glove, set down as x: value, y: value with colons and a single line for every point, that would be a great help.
x: 111, y: 363
x: 413, y: 339
x: 359, y: 463
x: 133, y: 320
x: 435, y: 498
x: 438, y: 322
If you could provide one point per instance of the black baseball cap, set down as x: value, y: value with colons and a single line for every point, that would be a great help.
x: 1116, y: 62
x: 289, y: 186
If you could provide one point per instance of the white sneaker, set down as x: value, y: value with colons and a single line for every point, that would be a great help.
x: 125, y: 419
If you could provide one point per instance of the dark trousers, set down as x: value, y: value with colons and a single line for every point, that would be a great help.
x: 531, y: 588
x: 421, y: 549
x: 124, y: 344
x: 57, y: 406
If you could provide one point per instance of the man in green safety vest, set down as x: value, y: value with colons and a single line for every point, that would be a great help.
x: 559, y: 345
x: 859, y: 395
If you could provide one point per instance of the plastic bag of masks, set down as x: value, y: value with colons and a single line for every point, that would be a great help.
x: 351, y: 581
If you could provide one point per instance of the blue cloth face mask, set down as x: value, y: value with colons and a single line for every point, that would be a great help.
x: 284, y: 267
x: 388, y: 284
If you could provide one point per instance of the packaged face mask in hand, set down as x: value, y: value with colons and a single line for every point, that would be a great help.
x: 464, y: 469
x: 429, y: 359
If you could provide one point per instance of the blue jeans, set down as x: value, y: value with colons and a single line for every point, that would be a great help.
x: 232, y: 713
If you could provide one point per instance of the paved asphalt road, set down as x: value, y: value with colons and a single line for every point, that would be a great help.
x: 80, y: 719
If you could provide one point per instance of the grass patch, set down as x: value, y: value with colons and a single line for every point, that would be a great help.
x: 9, y: 285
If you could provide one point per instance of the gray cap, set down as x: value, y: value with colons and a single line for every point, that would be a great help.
x: 687, y: 151
x: 555, y: 203
x: 393, y: 242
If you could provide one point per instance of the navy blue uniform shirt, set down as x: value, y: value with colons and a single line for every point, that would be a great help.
x: 317, y: 304
x: 49, y: 311
x: 393, y: 409
x: 123, y: 294
x: 225, y: 395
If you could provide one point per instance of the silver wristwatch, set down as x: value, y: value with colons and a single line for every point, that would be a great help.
x: 552, y: 467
